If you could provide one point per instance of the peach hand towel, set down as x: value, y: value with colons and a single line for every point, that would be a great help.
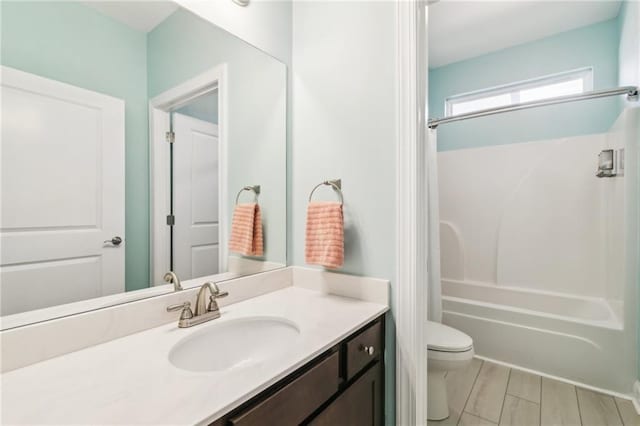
x: 325, y: 234
x: 246, y: 230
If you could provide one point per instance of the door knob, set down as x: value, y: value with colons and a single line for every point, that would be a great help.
x: 116, y: 241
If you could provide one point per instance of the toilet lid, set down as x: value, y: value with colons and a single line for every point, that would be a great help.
x: 446, y: 339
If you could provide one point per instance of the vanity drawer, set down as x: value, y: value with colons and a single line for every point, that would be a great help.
x: 363, y: 348
x: 297, y: 400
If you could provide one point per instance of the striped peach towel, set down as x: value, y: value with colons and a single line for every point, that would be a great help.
x: 325, y: 234
x: 246, y: 230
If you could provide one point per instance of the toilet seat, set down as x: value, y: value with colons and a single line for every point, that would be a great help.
x: 441, y: 338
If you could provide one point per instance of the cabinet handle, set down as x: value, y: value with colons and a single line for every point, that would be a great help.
x: 369, y: 350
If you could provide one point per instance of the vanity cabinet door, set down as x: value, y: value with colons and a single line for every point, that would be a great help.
x: 297, y: 400
x: 361, y: 404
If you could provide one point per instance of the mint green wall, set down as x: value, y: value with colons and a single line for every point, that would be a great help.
x: 74, y: 44
x: 595, y: 45
x: 203, y: 108
x: 183, y: 46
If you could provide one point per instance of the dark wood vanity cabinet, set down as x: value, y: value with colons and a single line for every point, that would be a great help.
x: 359, y: 405
x: 343, y: 386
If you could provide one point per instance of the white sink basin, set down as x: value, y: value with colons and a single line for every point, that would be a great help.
x: 234, y: 344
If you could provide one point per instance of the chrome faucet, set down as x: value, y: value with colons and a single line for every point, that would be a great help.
x: 204, y: 312
x: 171, y: 277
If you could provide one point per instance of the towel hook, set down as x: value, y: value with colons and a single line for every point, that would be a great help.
x: 335, y: 183
x: 254, y: 188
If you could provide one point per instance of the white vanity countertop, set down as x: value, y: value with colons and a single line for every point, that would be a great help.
x: 131, y: 381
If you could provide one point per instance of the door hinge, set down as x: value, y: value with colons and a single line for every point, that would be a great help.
x: 171, y: 220
x: 171, y: 137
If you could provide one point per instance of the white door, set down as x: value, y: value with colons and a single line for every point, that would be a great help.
x: 62, y: 193
x: 195, y: 194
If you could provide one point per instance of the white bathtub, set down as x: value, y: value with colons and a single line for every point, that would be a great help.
x: 577, y: 338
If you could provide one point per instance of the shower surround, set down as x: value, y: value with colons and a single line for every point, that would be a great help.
x: 538, y: 254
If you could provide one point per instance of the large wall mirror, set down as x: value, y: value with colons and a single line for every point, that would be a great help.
x: 131, y: 133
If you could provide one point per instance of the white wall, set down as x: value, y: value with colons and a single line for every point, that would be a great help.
x: 532, y: 215
x: 344, y: 109
x: 264, y: 23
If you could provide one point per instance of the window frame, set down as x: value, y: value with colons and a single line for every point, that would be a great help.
x: 586, y: 74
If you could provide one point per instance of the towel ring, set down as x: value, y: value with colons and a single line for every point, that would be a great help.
x: 335, y: 183
x: 254, y: 188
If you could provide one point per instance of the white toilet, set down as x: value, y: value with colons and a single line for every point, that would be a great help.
x: 449, y: 349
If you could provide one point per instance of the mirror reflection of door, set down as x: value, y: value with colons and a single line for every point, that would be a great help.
x: 62, y: 193
x: 195, y: 180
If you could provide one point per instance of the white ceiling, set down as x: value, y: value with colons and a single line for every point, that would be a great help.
x: 461, y: 30
x: 139, y: 15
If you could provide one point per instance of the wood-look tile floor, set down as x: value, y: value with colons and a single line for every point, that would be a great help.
x: 488, y: 394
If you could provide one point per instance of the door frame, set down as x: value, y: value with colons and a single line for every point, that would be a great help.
x: 409, y: 294
x: 159, y: 123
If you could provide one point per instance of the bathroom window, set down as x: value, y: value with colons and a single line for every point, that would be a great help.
x: 552, y: 86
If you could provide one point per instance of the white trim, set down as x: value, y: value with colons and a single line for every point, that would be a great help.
x: 409, y: 297
x: 159, y: 122
x: 159, y: 107
x: 636, y: 396
x: 631, y: 397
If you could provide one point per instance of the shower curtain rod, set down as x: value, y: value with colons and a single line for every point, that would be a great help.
x: 630, y: 91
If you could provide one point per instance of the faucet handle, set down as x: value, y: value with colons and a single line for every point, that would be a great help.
x: 216, y: 293
x: 213, y: 304
x: 187, y: 313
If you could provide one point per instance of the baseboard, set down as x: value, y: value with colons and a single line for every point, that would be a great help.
x: 635, y: 397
